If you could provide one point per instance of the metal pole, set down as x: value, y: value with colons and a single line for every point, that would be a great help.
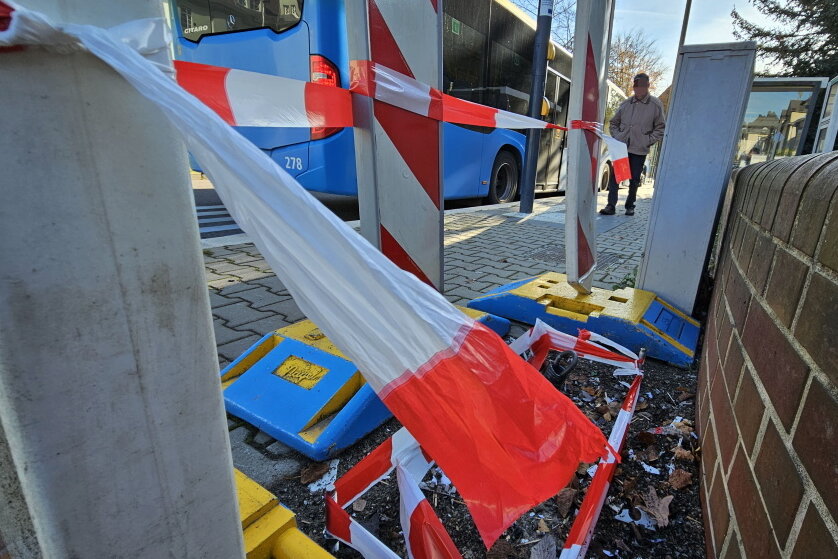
x: 588, y: 93
x: 110, y: 404
x: 539, y: 75
x: 684, y: 24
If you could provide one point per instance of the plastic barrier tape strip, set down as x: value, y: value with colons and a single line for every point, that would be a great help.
x: 245, y: 98
x: 498, y: 429
x: 425, y: 537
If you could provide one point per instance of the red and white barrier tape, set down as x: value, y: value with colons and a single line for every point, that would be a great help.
x: 245, y: 98
x: 425, y: 537
x: 541, y: 338
x: 576, y: 544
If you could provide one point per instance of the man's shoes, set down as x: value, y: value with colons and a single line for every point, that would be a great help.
x: 608, y: 210
x: 629, y: 211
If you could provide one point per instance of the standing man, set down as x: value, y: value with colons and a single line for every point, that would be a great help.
x: 639, y: 122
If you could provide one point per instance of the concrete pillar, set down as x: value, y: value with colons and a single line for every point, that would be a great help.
x: 110, y: 401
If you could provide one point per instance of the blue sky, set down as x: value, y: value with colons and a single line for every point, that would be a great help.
x: 710, y: 22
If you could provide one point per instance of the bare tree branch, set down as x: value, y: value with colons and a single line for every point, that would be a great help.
x: 633, y: 52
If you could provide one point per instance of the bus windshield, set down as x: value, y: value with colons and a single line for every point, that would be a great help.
x: 197, y: 18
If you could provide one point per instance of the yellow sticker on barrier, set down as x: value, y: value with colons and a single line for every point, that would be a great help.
x: 301, y: 372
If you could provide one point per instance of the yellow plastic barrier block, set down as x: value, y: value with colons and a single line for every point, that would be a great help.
x: 270, y: 530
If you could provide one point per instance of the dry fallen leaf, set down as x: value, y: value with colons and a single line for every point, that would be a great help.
x: 644, y: 438
x: 685, y: 396
x: 313, y: 472
x: 642, y: 404
x: 544, y: 549
x: 582, y: 469
x: 564, y: 500
x: 680, y: 479
x: 359, y: 505
x: 656, y: 507
x: 542, y: 526
x: 683, y: 454
x: 649, y: 455
x: 590, y: 390
x: 501, y: 550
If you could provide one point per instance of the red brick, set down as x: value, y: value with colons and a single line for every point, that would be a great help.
x: 814, y: 539
x: 705, y: 514
x: 746, y: 249
x: 781, y: 176
x: 719, y: 514
x: 786, y: 285
x: 817, y: 327
x: 749, y: 409
x: 709, y: 452
x: 738, y: 298
x: 792, y: 191
x: 724, y: 422
x: 811, y: 214
x: 733, y: 365
x: 761, y: 262
x: 733, y: 548
x: 756, y: 192
x: 724, y: 330
x: 828, y: 254
x: 779, y: 482
x: 780, y: 368
x: 814, y: 442
x: 766, y: 178
x: 702, y: 411
x: 757, y: 536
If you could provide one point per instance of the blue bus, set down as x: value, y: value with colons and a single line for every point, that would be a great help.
x: 487, y: 46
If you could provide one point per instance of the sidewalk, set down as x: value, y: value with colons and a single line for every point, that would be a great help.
x: 485, y: 247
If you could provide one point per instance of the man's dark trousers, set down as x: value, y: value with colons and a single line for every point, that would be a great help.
x: 636, y: 165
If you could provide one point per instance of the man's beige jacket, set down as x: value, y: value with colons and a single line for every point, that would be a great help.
x: 639, y: 123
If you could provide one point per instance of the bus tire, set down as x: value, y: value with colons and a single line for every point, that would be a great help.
x: 604, y: 178
x: 503, y: 182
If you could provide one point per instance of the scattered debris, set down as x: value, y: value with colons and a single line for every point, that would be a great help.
x: 644, y: 519
x: 565, y: 499
x: 313, y: 472
x: 658, y: 508
x: 650, y: 469
x: 544, y: 549
x: 502, y: 550
x: 327, y: 479
x: 679, y: 479
x: 359, y: 505
x: 682, y: 454
x: 542, y: 526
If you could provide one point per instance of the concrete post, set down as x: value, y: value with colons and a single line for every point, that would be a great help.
x: 110, y: 400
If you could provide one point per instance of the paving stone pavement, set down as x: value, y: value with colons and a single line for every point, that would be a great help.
x: 485, y: 247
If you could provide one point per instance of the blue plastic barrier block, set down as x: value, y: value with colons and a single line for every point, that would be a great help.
x: 631, y: 317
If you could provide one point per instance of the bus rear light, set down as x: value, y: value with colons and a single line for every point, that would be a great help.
x: 324, y: 72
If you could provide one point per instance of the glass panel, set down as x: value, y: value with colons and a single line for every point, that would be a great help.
x: 204, y: 17
x: 773, y: 124
x: 830, y: 101
x: 464, y: 48
x: 821, y: 140
x: 510, y: 63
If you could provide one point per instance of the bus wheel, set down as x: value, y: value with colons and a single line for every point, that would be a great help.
x: 504, y: 184
x: 603, y: 180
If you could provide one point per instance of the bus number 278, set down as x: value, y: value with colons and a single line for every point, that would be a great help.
x: 294, y: 163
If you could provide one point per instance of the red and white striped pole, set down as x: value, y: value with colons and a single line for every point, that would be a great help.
x: 587, y: 103
x: 397, y: 151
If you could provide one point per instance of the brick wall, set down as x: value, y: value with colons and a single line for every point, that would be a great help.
x: 768, y: 400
